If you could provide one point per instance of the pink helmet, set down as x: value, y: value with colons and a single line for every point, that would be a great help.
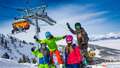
x: 69, y: 38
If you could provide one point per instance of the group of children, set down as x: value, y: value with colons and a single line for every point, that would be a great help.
x: 75, y: 54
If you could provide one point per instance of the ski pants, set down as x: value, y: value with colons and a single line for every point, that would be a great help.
x: 59, y: 58
x: 43, y: 66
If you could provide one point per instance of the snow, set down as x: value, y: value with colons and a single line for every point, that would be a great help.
x: 105, y: 36
x: 107, y: 65
x: 17, y: 49
x: 97, y: 53
x: 5, y: 63
x: 25, y: 49
x: 114, y: 44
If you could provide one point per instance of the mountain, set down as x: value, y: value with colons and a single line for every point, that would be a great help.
x: 109, y: 36
x: 20, y: 50
x: 15, y: 49
x: 107, y: 50
x: 106, y: 53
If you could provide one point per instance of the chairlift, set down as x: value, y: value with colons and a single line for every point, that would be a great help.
x: 20, y: 25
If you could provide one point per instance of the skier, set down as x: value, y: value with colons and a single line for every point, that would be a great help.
x: 73, y: 56
x: 52, y: 46
x: 91, y: 54
x: 43, y: 54
x: 82, y: 37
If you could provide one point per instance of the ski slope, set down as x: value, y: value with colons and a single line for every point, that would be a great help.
x: 5, y: 63
x: 15, y: 48
x: 114, y: 44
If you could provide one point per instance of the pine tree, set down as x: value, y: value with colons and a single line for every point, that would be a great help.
x: 25, y: 59
x: 20, y: 61
x: 5, y: 55
x: 34, y: 60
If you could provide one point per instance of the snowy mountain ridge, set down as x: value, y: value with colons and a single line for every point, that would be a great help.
x: 15, y: 49
x: 109, y: 36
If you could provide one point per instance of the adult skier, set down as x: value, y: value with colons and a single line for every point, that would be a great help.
x: 82, y: 37
x: 43, y: 54
x: 73, y: 56
x: 52, y: 46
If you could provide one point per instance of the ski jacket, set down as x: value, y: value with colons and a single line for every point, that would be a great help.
x: 52, y: 46
x: 73, y: 55
x: 82, y: 36
x: 43, y: 58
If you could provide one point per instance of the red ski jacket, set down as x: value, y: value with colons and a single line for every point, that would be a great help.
x: 74, y: 56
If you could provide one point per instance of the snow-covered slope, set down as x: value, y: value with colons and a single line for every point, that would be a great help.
x: 109, y: 36
x: 104, y: 48
x: 114, y: 44
x: 6, y: 63
x: 107, y: 49
x: 15, y: 48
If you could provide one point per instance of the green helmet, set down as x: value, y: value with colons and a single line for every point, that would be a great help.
x: 77, y: 25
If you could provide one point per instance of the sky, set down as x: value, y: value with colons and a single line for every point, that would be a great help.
x: 96, y: 16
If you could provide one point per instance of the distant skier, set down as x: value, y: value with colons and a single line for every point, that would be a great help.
x: 52, y: 46
x: 82, y: 37
x: 73, y: 56
x: 43, y: 55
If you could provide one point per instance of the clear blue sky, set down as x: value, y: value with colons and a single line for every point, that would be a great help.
x: 97, y: 16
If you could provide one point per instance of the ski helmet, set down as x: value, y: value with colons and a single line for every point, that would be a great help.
x: 69, y: 38
x: 48, y: 34
x: 77, y: 25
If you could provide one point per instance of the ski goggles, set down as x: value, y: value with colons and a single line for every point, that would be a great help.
x: 77, y: 27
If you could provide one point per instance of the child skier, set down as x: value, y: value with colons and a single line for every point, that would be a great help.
x: 43, y: 54
x: 73, y: 56
x: 52, y: 46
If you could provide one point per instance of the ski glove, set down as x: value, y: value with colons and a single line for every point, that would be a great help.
x: 36, y: 38
x: 68, y: 25
x: 64, y: 36
x: 33, y: 48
